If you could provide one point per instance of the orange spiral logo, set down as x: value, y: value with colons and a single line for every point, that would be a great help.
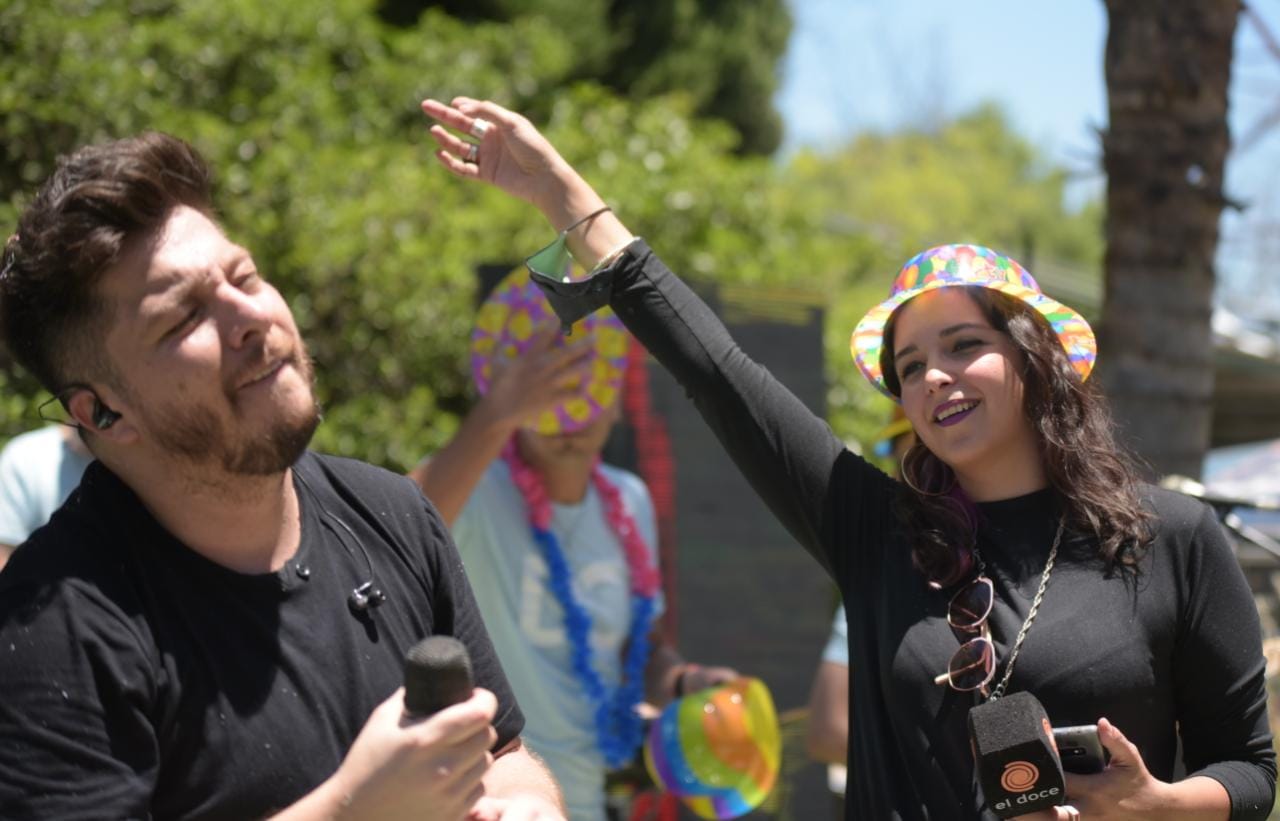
x: 1019, y: 776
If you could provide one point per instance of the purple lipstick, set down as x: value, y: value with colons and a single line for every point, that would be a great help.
x: 954, y: 412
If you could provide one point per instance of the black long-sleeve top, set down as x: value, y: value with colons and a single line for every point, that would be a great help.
x: 1176, y: 647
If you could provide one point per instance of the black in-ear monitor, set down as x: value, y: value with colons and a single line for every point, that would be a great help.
x: 103, y: 416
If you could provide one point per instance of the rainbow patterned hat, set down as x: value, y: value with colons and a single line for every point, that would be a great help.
x: 718, y: 750
x: 951, y: 265
x: 505, y: 327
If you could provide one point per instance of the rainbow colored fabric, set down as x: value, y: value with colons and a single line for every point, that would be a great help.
x: 948, y: 266
x: 718, y: 750
x: 505, y: 326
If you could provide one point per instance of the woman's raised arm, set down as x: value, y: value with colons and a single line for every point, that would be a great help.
x: 789, y: 455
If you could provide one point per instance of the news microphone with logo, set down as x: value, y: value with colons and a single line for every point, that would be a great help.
x: 1017, y: 762
x: 437, y: 674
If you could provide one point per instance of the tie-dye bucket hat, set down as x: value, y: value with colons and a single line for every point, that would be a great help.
x: 505, y: 327
x: 949, y: 266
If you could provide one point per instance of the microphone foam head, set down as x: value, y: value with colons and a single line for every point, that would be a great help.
x: 437, y: 673
x: 1017, y: 761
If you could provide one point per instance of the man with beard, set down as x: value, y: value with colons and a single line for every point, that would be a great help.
x: 214, y: 624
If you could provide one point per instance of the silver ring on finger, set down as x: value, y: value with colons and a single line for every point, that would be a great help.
x: 473, y: 153
x: 480, y: 127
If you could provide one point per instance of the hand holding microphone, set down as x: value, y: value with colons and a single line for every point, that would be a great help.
x: 425, y: 746
x: 1021, y: 772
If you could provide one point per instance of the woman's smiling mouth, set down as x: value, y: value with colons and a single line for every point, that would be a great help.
x: 949, y: 413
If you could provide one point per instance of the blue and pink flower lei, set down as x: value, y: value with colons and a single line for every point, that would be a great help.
x: 619, y: 729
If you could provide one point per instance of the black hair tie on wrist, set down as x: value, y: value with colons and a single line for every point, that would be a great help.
x: 678, y: 686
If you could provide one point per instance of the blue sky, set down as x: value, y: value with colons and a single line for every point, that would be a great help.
x: 857, y: 64
x: 880, y: 64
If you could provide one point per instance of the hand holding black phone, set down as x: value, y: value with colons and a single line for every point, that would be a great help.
x: 1080, y: 749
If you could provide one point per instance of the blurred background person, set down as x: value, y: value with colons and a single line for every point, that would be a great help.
x: 38, y: 471
x: 559, y: 547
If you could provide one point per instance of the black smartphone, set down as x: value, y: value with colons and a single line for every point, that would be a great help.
x: 1080, y: 749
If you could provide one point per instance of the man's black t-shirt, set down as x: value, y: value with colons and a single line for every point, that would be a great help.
x: 139, y: 679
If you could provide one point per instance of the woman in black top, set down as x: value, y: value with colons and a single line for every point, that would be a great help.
x: 1110, y: 601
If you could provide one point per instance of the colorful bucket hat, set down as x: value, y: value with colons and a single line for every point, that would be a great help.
x: 505, y: 327
x: 952, y: 265
x: 718, y: 749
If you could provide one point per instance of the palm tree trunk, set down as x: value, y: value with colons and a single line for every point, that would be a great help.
x: 1168, y: 63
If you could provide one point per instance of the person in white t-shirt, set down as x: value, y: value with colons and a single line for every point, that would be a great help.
x: 38, y: 471
x: 561, y: 549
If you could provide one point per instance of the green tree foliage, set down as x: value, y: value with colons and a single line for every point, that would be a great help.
x: 972, y: 180
x: 722, y: 53
x: 309, y: 115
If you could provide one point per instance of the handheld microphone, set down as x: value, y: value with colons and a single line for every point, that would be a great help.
x: 437, y: 674
x: 1016, y: 758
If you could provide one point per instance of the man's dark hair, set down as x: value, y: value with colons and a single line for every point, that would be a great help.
x: 98, y: 201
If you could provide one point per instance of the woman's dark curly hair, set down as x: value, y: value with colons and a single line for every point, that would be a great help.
x: 1095, y: 479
